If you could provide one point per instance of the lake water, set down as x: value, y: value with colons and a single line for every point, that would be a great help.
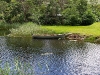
x: 51, y: 57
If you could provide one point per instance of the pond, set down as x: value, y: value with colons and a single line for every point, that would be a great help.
x: 51, y: 57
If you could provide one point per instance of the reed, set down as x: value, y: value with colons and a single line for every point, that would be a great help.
x: 28, y: 29
x: 7, y: 26
x: 18, y: 69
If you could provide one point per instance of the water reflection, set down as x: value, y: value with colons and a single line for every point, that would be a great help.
x: 52, y: 57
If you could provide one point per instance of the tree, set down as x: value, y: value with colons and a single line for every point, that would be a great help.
x: 88, y: 18
x: 95, y: 7
x: 82, y: 6
x: 71, y: 14
x: 3, y: 6
x: 8, y: 1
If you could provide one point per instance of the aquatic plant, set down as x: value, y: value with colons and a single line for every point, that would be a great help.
x: 17, y: 69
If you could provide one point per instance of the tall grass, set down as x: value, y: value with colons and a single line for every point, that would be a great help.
x: 18, y: 69
x: 28, y: 29
x: 7, y: 26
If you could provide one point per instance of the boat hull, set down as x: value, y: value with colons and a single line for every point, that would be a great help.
x: 48, y: 37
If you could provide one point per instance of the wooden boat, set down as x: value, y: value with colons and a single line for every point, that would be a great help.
x: 49, y: 36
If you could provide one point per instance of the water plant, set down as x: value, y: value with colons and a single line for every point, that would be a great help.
x: 19, y: 68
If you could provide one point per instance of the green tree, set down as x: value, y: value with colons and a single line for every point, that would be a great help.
x: 52, y: 13
x: 12, y: 12
x: 3, y: 6
x: 88, y: 18
x: 95, y: 7
x: 8, y: 1
x: 71, y: 14
x: 82, y: 6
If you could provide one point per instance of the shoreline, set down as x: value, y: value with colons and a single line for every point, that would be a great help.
x: 89, y: 33
x: 68, y: 36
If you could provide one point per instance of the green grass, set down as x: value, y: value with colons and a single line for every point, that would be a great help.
x: 93, y: 29
x: 28, y: 29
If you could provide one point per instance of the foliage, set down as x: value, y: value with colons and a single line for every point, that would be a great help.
x: 8, y: 1
x: 7, y: 26
x: 71, y: 16
x: 3, y: 6
x: 95, y: 6
x: 88, y: 18
x: 50, y: 12
x: 79, y: 13
x: 28, y: 29
x: 81, y: 6
x: 13, y: 13
x: 19, y: 68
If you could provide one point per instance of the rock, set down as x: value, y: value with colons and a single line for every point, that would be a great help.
x: 75, y: 36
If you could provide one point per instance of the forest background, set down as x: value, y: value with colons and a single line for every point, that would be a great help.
x: 50, y: 12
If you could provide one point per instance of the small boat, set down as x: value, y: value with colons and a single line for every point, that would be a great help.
x: 59, y: 36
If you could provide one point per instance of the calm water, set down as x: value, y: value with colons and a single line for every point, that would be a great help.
x: 52, y: 57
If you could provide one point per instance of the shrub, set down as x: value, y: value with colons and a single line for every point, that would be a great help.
x: 88, y: 18
x: 13, y: 13
x: 74, y: 20
x: 71, y: 16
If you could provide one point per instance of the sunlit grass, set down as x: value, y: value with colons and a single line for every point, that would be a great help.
x: 28, y: 29
x: 93, y: 29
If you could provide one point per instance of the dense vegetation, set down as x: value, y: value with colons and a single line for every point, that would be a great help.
x: 19, y: 68
x: 50, y: 12
x: 28, y: 29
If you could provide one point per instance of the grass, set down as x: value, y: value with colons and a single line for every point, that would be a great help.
x: 7, y: 26
x: 93, y: 29
x: 28, y: 29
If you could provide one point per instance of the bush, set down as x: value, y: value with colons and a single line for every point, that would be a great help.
x: 71, y: 17
x: 13, y: 13
x: 88, y: 18
x: 50, y: 20
x: 74, y: 20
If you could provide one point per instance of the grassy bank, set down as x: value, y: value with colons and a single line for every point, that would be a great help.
x: 93, y: 29
x: 28, y: 29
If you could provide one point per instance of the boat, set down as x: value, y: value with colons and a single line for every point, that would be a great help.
x: 59, y: 36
